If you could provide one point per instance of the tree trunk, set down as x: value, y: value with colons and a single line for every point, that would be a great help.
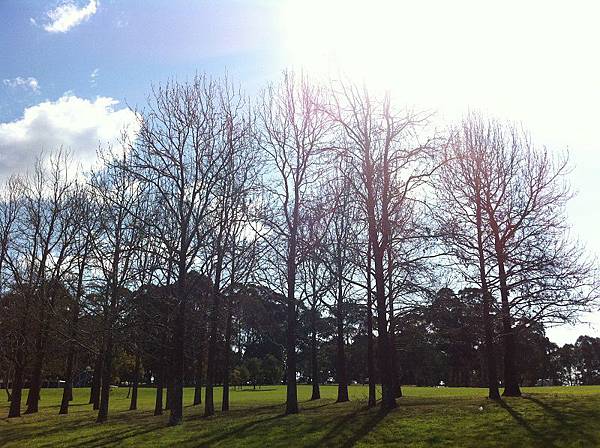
x: 33, y: 397
x: 68, y: 389
x: 198, y: 377
x: 136, y: 381
x: 490, y: 353
x: 209, y: 404
x: 291, y: 403
x: 370, y: 342
x: 106, y: 377
x: 227, y: 360
x: 386, y: 369
x: 169, y: 393
x: 17, y: 385
x: 342, y: 377
x: 158, y: 404
x: 393, y: 353
x: 175, y: 394
x: 97, y: 382
x: 6, y: 380
x: 316, y: 391
x: 511, y: 382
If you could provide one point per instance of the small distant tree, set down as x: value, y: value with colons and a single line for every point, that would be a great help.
x: 244, y: 375
x: 272, y: 370
x: 254, y: 369
x: 235, y: 378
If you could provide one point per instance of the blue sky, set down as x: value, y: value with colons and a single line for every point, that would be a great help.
x: 70, y: 68
x: 131, y: 44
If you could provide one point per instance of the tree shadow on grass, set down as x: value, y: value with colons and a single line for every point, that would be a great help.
x: 571, y: 422
x: 547, y: 439
x: 118, y: 435
x: 255, y: 390
x: 345, y: 433
x: 239, y: 430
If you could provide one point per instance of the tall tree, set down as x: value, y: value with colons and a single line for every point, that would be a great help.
x: 292, y: 130
x: 176, y: 155
x: 387, y: 166
x: 118, y: 201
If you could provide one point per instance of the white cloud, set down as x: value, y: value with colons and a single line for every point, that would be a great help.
x: 74, y: 123
x: 29, y: 83
x: 68, y: 15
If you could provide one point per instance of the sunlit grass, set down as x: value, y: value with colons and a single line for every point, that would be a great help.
x: 545, y: 417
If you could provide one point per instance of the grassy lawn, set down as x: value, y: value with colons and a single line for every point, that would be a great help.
x: 544, y: 417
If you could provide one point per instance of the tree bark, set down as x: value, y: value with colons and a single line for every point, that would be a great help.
x: 158, y: 404
x: 342, y: 377
x: 291, y: 403
x: 96, y: 382
x: 33, y: 397
x: 511, y: 382
x: 490, y: 352
x: 175, y: 394
x: 227, y: 357
x: 316, y: 391
x: 198, y: 375
x: 17, y: 385
x: 106, y: 377
x: 370, y: 342
x: 136, y: 381
x: 393, y: 354
x: 388, y: 399
x: 209, y: 404
x: 68, y: 388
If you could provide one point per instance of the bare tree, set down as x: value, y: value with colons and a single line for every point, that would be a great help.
x: 80, y: 256
x: 292, y: 132
x: 48, y: 227
x: 176, y: 154
x: 503, y: 202
x: 119, y: 201
x: 541, y: 274
x: 387, y: 166
x: 460, y: 217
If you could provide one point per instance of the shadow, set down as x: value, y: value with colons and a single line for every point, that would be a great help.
x: 238, y: 430
x: 567, y: 421
x: 255, y: 390
x: 561, y: 417
x: 547, y: 438
x: 103, y: 440
x: 336, y: 437
x: 364, y: 429
x: 314, y: 408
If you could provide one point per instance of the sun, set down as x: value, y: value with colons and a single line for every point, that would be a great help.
x: 357, y: 39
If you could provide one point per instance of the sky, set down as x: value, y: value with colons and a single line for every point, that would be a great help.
x: 72, y: 71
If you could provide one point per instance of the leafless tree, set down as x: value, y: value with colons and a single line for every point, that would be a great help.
x: 387, y: 165
x: 37, y: 262
x: 119, y: 201
x: 292, y: 133
x: 504, y: 202
x: 460, y: 216
x: 541, y: 274
x: 177, y: 154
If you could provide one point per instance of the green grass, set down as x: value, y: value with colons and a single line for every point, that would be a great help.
x: 448, y: 417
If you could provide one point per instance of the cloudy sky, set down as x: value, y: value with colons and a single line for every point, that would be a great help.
x: 70, y: 70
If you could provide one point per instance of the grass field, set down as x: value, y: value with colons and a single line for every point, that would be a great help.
x: 544, y: 417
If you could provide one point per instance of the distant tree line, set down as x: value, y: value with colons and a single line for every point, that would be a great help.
x: 316, y: 233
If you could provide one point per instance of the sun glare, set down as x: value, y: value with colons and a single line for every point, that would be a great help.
x: 352, y: 37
